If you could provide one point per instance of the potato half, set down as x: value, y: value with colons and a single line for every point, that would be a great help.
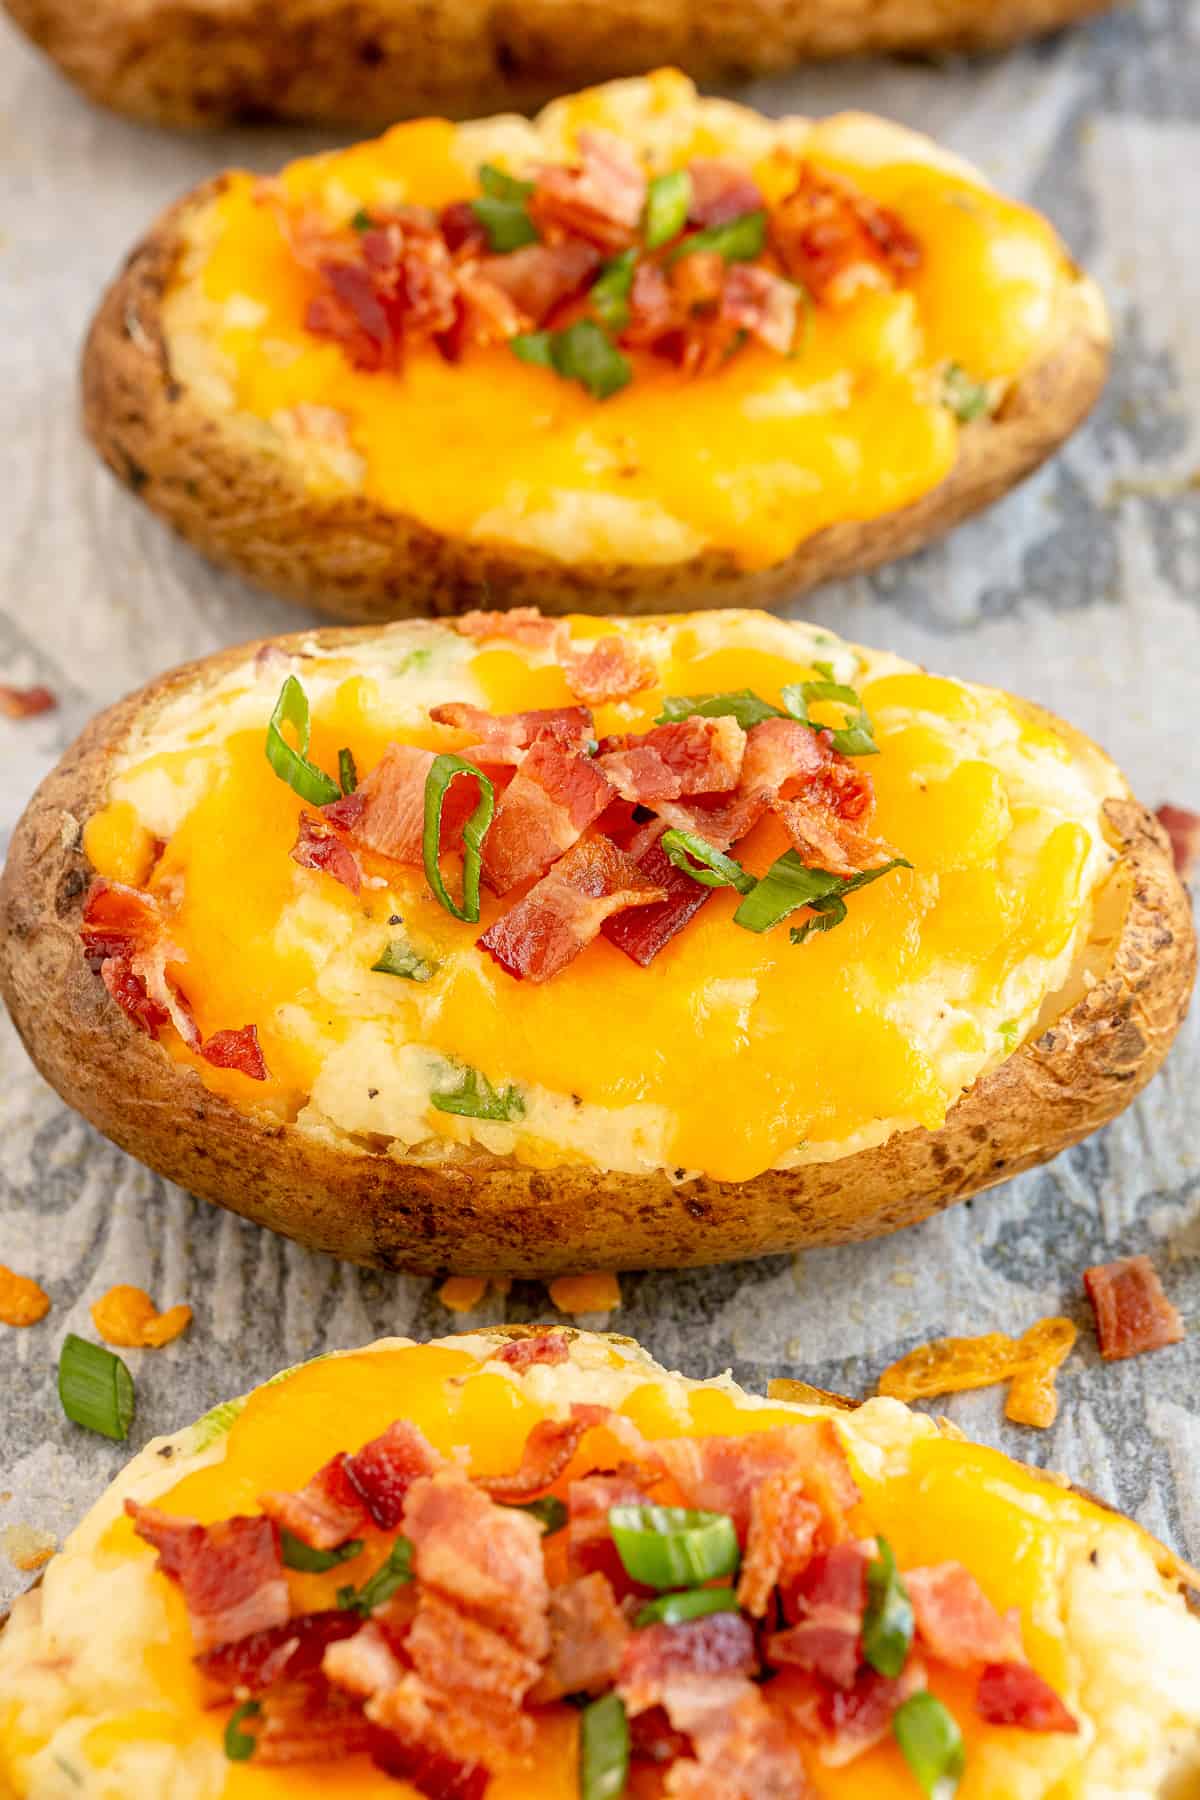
x: 194, y: 62
x: 911, y: 397
x: 99, y: 1695
x: 968, y: 1017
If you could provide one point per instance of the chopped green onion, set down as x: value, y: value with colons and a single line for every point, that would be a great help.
x: 392, y: 1574
x: 476, y: 1098
x: 609, y: 294
x: 603, y: 1749
x: 240, y: 1745
x: 584, y: 352
x: 534, y: 347
x: 686, y: 848
x: 789, y: 883
x: 887, y: 1629
x: 851, y: 739
x: 673, y: 1546
x: 741, y: 240
x: 550, y: 1513
x: 967, y: 399
x: 931, y: 1744
x: 667, y: 201
x: 443, y: 770
x: 95, y: 1388
x: 347, y: 771
x: 299, y: 1555
x: 400, y: 959
x: 292, y: 765
x: 677, y: 1609
x: 742, y: 704
x: 503, y: 209
x: 501, y: 186
x: 362, y: 220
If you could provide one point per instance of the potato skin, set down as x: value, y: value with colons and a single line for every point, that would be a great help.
x: 209, y: 477
x: 490, y: 1216
x: 369, y: 62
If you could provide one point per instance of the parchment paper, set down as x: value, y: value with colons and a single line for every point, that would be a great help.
x: 1082, y: 590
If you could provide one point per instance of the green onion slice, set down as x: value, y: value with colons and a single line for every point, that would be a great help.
x: 501, y: 186
x: 789, y: 883
x: 347, y: 771
x: 677, y: 1609
x: 95, y: 1388
x: 396, y: 1572
x: 443, y: 770
x: 931, y: 1744
x: 854, y: 737
x: 742, y: 704
x: 967, y: 399
x: 240, y: 1745
x: 609, y: 295
x: 584, y: 352
x: 667, y: 201
x: 550, y: 1512
x: 673, y: 1546
x: 507, y: 223
x: 603, y: 1749
x: 299, y: 1555
x: 476, y: 1098
x: 739, y: 241
x: 534, y: 347
x: 312, y: 784
x: 686, y: 849
x: 887, y: 1630
x: 401, y: 959
x: 362, y: 220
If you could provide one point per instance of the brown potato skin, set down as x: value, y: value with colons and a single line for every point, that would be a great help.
x: 490, y: 1216
x: 211, y: 479
x: 369, y: 62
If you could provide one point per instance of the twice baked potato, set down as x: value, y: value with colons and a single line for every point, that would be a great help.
x: 650, y: 350
x: 205, y: 62
x: 639, y: 943
x: 405, y: 1558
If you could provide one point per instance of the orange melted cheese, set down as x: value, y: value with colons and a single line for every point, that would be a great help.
x: 798, y: 1042
x: 751, y: 460
x: 954, y: 1501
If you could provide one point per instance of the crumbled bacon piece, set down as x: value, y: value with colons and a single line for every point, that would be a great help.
x: 721, y: 1474
x: 1132, y: 1312
x: 782, y: 1534
x: 538, y: 278
x: 385, y: 1470
x: 230, y: 1573
x: 401, y: 281
x: 548, y: 1450
x: 826, y: 1601
x: 741, y: 1749
x: 386, y: 812
x: 541, y: 1347
x: 689, y: 756
x: 608, y: 668
x: 659, y: 1658
x: 288, y: 1651
x: 122, y: 933
x: 762, y: 304
x: 590, y: 1546
x: 445, y: 1638
x: 129, y: 992
x: 511, y: 734
x: 599, y: 199
x: 643, y: 931
x: 319, y: 846
x: 567, y: 908
x: 1011, y: 1693
x: 307, y: 1722
x: 328, y: 1509
x: 956, y: 1621
x: 485, y: 1557
x: 853, y: 1720
x: 520, y: 625
x: 27, y: 702
x: 1183, y: 829
x: 462, y: 229
x: 837, y: 242
x: 588, y: 1632
x: 239, y: 1050
x: 721, y: 192
x: 552, y: 799
x: 435, y: 1740
x: 363, y: 1664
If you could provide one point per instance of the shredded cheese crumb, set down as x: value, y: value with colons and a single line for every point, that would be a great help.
x: 126, y: 1316
x: 461, y: 1293
x: 952, y: 1365
x: 22, y: 1301
x: 586, y: 1293
x: 27, y: 1548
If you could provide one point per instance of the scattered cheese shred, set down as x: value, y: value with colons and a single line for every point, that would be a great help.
x: 22, y: 1301
x: 586, y: 1293
x: 126, y: 1316
x: 26, y: 1547
x: 462, y: 1293
x: 952, y: 1365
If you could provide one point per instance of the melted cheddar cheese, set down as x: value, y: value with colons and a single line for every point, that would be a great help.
x: 815, y: 1050
x: 750, y: 461
x: 120, y: 1715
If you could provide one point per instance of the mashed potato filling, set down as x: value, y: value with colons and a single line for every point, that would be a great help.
x: 99, y: 1698
x: 750, y: 460
x: 734, y: 1052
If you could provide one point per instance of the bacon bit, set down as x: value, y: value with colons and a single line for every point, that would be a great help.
x: 689, y: 756
x: 656, y: 1658
x: 462, y: 229
x: 22, y: 1301
x: 520, y: 625
x: 957, y: 1622
x: 767, y: 307
x: 588, y: 1633
x: 590, y: 1547
x: 434, y: 1773
x: 386, y: 812
x: 25, y: 703
x: 954, y: 1365
x: 480, y: 1555
x: 721, y: 192
x: 447, y: 1644
x: 600, y: 199
x: 462, y: 1293
x: 548, y: 1450
x: 327, y: 1510
x: 564, y: 912
x: 855, y: 1720
x: 653, y: 1738
x: 385, y: 1470
x: 127, y: 1316
x: 308, y: 1722
x: 539, y: 277
x: 129, y: 992
x: 721, y: 1473
x: 598, y: 1292
x: 363, y: 1664
x: 608, y: 668
x: 435, y: 1740
x: 1132, y: 1312
x: 543, y: 1347
x: 552, y: 799
x: 827, y: 1602
x: 643, y: 931
x: 1183, y: 829
x: 231, y: 1573
x: 284, y: 1652
x: 780, y: 1540
x: 837, y: 242
x: 570, y: 726
x: 320, y: 847
x: 741, y: 1748
x: 238, y: 1050
x: 1011, y: 1693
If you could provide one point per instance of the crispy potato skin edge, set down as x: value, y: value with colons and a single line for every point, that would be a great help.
x: 494, y: 1217
x: 369, y: 62
x: 245, y: 508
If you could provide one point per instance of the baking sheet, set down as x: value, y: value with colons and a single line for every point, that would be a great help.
x: 1082, y: 590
